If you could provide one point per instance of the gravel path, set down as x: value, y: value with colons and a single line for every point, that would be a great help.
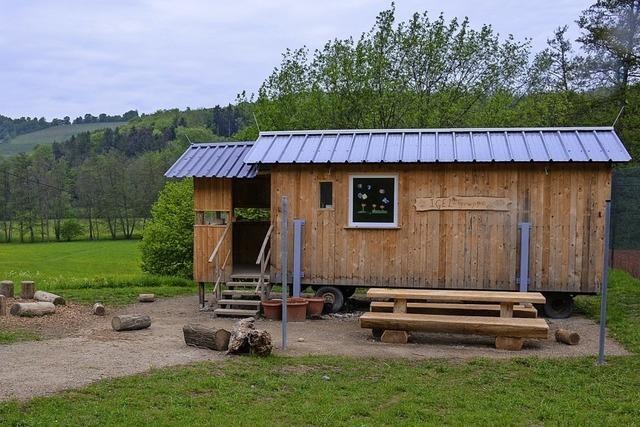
x: 94, y: 351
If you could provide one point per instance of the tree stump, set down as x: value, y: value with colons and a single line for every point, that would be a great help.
x: 130, y: 322
x: 395, y: 337
x: 48, y: 297
x: 98, y: 309
x: 6, y: 288
x: 203, y: 337
x: 27, y: 289
x: 568, y: 337
x: 245, y: 339
x: 30, y: 309
x: 146, y: 298
x: 3, y: 305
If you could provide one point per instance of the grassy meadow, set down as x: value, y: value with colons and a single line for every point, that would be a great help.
x: 26, y: 142
x: 87, y: 271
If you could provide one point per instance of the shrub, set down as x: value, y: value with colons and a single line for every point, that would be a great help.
x: 167, y: 242
x: 70, y: 229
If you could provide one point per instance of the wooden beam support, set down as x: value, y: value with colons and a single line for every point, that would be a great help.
x: 395, y: 337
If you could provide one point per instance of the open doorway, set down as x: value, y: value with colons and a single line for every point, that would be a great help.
x: 252, y: 213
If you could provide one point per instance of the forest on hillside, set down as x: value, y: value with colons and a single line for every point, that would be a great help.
x: 424, y: 72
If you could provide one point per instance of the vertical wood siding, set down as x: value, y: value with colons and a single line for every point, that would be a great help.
x: 453, y: 249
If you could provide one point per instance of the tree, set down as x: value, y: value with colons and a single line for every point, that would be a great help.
x: 71, y: 229
x: 556, y: 68
x: 611, y: 37
x: 167, y: 244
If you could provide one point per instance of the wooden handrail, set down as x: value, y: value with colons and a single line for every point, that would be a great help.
x: 217, y: 248
x: 264, y: 244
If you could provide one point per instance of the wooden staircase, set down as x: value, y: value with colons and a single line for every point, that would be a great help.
x: 241, y: 298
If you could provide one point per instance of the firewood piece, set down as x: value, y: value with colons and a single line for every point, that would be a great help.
x: 28, y: 289
x: 98, y: 309
x: 200, y: 336
x: 48, y: 297
x: 568, y: 337
x: 130, y: 322
x: 509, y: 343
x: 6, y: 288
x: 395, y: 337
x: 3, y: 305
x: 245, y: 339
x: 146, y: 298
x: 30, y: 309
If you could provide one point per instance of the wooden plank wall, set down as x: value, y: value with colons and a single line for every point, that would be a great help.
x: 453, y: 249
x: 205, y: 238
x: 212, y: 194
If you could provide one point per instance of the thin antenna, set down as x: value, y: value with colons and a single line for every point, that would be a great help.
x: 618, y: 116
x: 256, y: 120
x: 188, y: 139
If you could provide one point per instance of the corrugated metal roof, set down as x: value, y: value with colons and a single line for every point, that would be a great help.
x: 214, y: 160
x: 579, y: 144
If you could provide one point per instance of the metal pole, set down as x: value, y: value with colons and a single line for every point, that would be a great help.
x: 605, y: 280
x: 284, y: 263
x: 525, y: 228
x: 297, y: 255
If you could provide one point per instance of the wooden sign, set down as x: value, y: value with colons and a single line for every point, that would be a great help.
x: 462, y: 203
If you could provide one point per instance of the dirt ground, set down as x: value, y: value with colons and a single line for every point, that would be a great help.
x: 83, y: 348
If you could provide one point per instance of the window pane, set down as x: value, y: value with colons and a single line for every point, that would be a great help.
x: 373, y: 200
x: 211, y: 217
x: 326, y: 195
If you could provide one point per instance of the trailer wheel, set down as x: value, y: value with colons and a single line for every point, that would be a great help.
x: 333, y: 298
x: 348, y: 291
x: 559, y: 305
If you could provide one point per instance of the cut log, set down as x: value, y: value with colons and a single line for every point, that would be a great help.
x: 6, y: 288
x: 245, y: 339
x: 30, y: 309
x: 3, y: 305
x: 130, y: 322
x: 27, y: 289
x: 203, y: 337
x: 48, y: 297
x: 395, y: 337
x: 98, y: 309
x: 568, y: 337
x: 509, y: 343
x: 146, y: 298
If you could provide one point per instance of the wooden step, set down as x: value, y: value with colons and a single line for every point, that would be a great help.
x: 245, y: 276
x: 241, y: 284
x: 455, y: 309
x: 239, y: 302
x: 235, y: 312
x: 235, y: 293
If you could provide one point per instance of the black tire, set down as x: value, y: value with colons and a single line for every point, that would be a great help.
x: 348, y: 291
x: 559, y: 305
x: 333, y: 298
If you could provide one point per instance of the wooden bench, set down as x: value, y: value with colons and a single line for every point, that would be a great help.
x: 455, y: 309
x: 510, y: 331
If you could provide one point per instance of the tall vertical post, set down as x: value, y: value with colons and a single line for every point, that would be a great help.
x: 297, y: 255
x: 605, y: 281
x: 525, y: 228
x: 284, y: 263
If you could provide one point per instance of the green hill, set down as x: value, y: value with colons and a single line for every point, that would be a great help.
x: 26, y: 142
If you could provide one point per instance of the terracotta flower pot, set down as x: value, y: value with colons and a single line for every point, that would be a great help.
x: 272, y: 309
x: 297, y: 309
x: 316, y: 305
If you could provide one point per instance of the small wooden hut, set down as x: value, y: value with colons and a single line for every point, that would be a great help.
x: 424, y: 208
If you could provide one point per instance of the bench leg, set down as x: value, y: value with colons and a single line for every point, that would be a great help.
x: 509, y: 343
x: 395, y: 337
x: 377, y: 333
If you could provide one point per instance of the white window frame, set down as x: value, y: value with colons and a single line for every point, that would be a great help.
x: 396, y: 198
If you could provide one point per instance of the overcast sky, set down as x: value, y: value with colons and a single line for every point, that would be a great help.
x: 63, y: 57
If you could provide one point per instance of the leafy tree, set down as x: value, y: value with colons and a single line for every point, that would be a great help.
x: 167, y: 244
x: 556, y: 67
x: 70, y: 229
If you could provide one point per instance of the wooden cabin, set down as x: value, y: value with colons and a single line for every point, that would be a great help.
x: 432, y: 208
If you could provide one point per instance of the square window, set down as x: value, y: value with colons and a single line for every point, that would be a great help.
x: 211, y: 217
x: 326, y: 195
x: 373, y: 201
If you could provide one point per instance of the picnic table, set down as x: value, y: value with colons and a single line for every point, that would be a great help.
x: 508, y: 316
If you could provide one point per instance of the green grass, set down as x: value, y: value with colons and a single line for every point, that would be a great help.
x: 26, y: 142
x: 10, y: 337
x: 292, y: 391
x: 85, y: 271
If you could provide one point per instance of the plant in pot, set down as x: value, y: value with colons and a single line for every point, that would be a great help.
x: 272, y: 309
